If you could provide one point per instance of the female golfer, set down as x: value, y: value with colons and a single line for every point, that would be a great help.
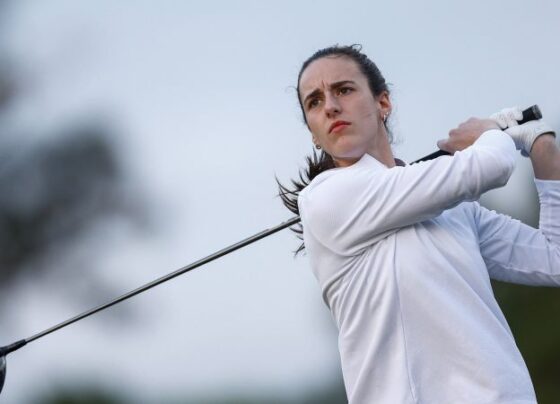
x: 404, y: 255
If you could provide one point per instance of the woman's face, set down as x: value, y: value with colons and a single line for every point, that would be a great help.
x: 346, y: 120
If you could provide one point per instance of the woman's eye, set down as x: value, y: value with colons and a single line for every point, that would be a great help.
x: 313, y: 103
x: 344, y: 90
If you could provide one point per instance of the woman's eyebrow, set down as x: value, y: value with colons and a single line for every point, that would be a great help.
x: 333, y: 86
x: 342, y: 83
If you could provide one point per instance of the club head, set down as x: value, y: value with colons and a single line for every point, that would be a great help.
x: 2, y: 371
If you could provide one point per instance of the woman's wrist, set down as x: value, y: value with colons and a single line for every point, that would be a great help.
x: 545, y: 156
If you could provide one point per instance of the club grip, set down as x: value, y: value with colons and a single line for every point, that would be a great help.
x: 530, y: 114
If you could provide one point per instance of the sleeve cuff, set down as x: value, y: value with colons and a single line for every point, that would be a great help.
x: 548, y: 189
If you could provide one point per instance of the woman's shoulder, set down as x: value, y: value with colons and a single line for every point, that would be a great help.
x: 341, y: 180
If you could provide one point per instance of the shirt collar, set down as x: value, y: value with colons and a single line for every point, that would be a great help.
x: 369, y: 160
x: 366, y: 160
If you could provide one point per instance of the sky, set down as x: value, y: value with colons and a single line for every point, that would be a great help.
x: 201, y: 96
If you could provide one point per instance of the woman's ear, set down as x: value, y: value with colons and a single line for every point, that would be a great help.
x: 384, y: 103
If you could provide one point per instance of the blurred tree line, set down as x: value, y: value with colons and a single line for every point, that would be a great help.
x: 53, y: 191
x: 331, y: 395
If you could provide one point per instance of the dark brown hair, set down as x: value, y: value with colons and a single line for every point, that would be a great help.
x: 318, y: 163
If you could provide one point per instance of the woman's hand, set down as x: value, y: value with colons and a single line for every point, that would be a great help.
x: 466, y: 134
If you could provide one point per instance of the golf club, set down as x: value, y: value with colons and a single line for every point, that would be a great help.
x: 529, y: 114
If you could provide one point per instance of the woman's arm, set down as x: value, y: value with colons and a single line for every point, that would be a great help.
x: 352, y: 208
x: 517, y: 253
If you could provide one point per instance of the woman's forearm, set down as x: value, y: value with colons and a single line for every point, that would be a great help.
x: 545, y: 157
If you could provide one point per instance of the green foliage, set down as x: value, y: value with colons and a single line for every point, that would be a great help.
x: 87, y: 395
x: 331, y: 394
x: 532, y: 314
x: 52, y: 193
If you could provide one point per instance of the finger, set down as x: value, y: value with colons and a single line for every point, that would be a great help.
x: 516, y: 113
x: 512, y: 115
x: 500, y: 119
x: 453, y: 132
x: 443, y: 144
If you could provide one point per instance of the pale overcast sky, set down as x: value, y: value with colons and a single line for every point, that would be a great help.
x: 201, y: 96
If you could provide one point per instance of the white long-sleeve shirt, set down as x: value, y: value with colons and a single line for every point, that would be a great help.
x: 404, y: 259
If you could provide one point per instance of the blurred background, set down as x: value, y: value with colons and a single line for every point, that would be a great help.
x: 139, y: 136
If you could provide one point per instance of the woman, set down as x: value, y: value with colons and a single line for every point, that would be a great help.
x: 402, y: 254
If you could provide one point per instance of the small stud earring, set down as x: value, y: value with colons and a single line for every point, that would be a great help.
x: 318, y: 147
x: 385, y: 117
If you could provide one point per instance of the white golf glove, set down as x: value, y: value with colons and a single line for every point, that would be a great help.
x: 523, y: 135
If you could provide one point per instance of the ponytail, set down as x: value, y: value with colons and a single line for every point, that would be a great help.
x: 316, y: 164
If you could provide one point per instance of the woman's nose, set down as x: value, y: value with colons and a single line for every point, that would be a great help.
x: 332, y: 106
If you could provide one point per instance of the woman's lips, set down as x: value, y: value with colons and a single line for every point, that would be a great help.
x: 338, y: 126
